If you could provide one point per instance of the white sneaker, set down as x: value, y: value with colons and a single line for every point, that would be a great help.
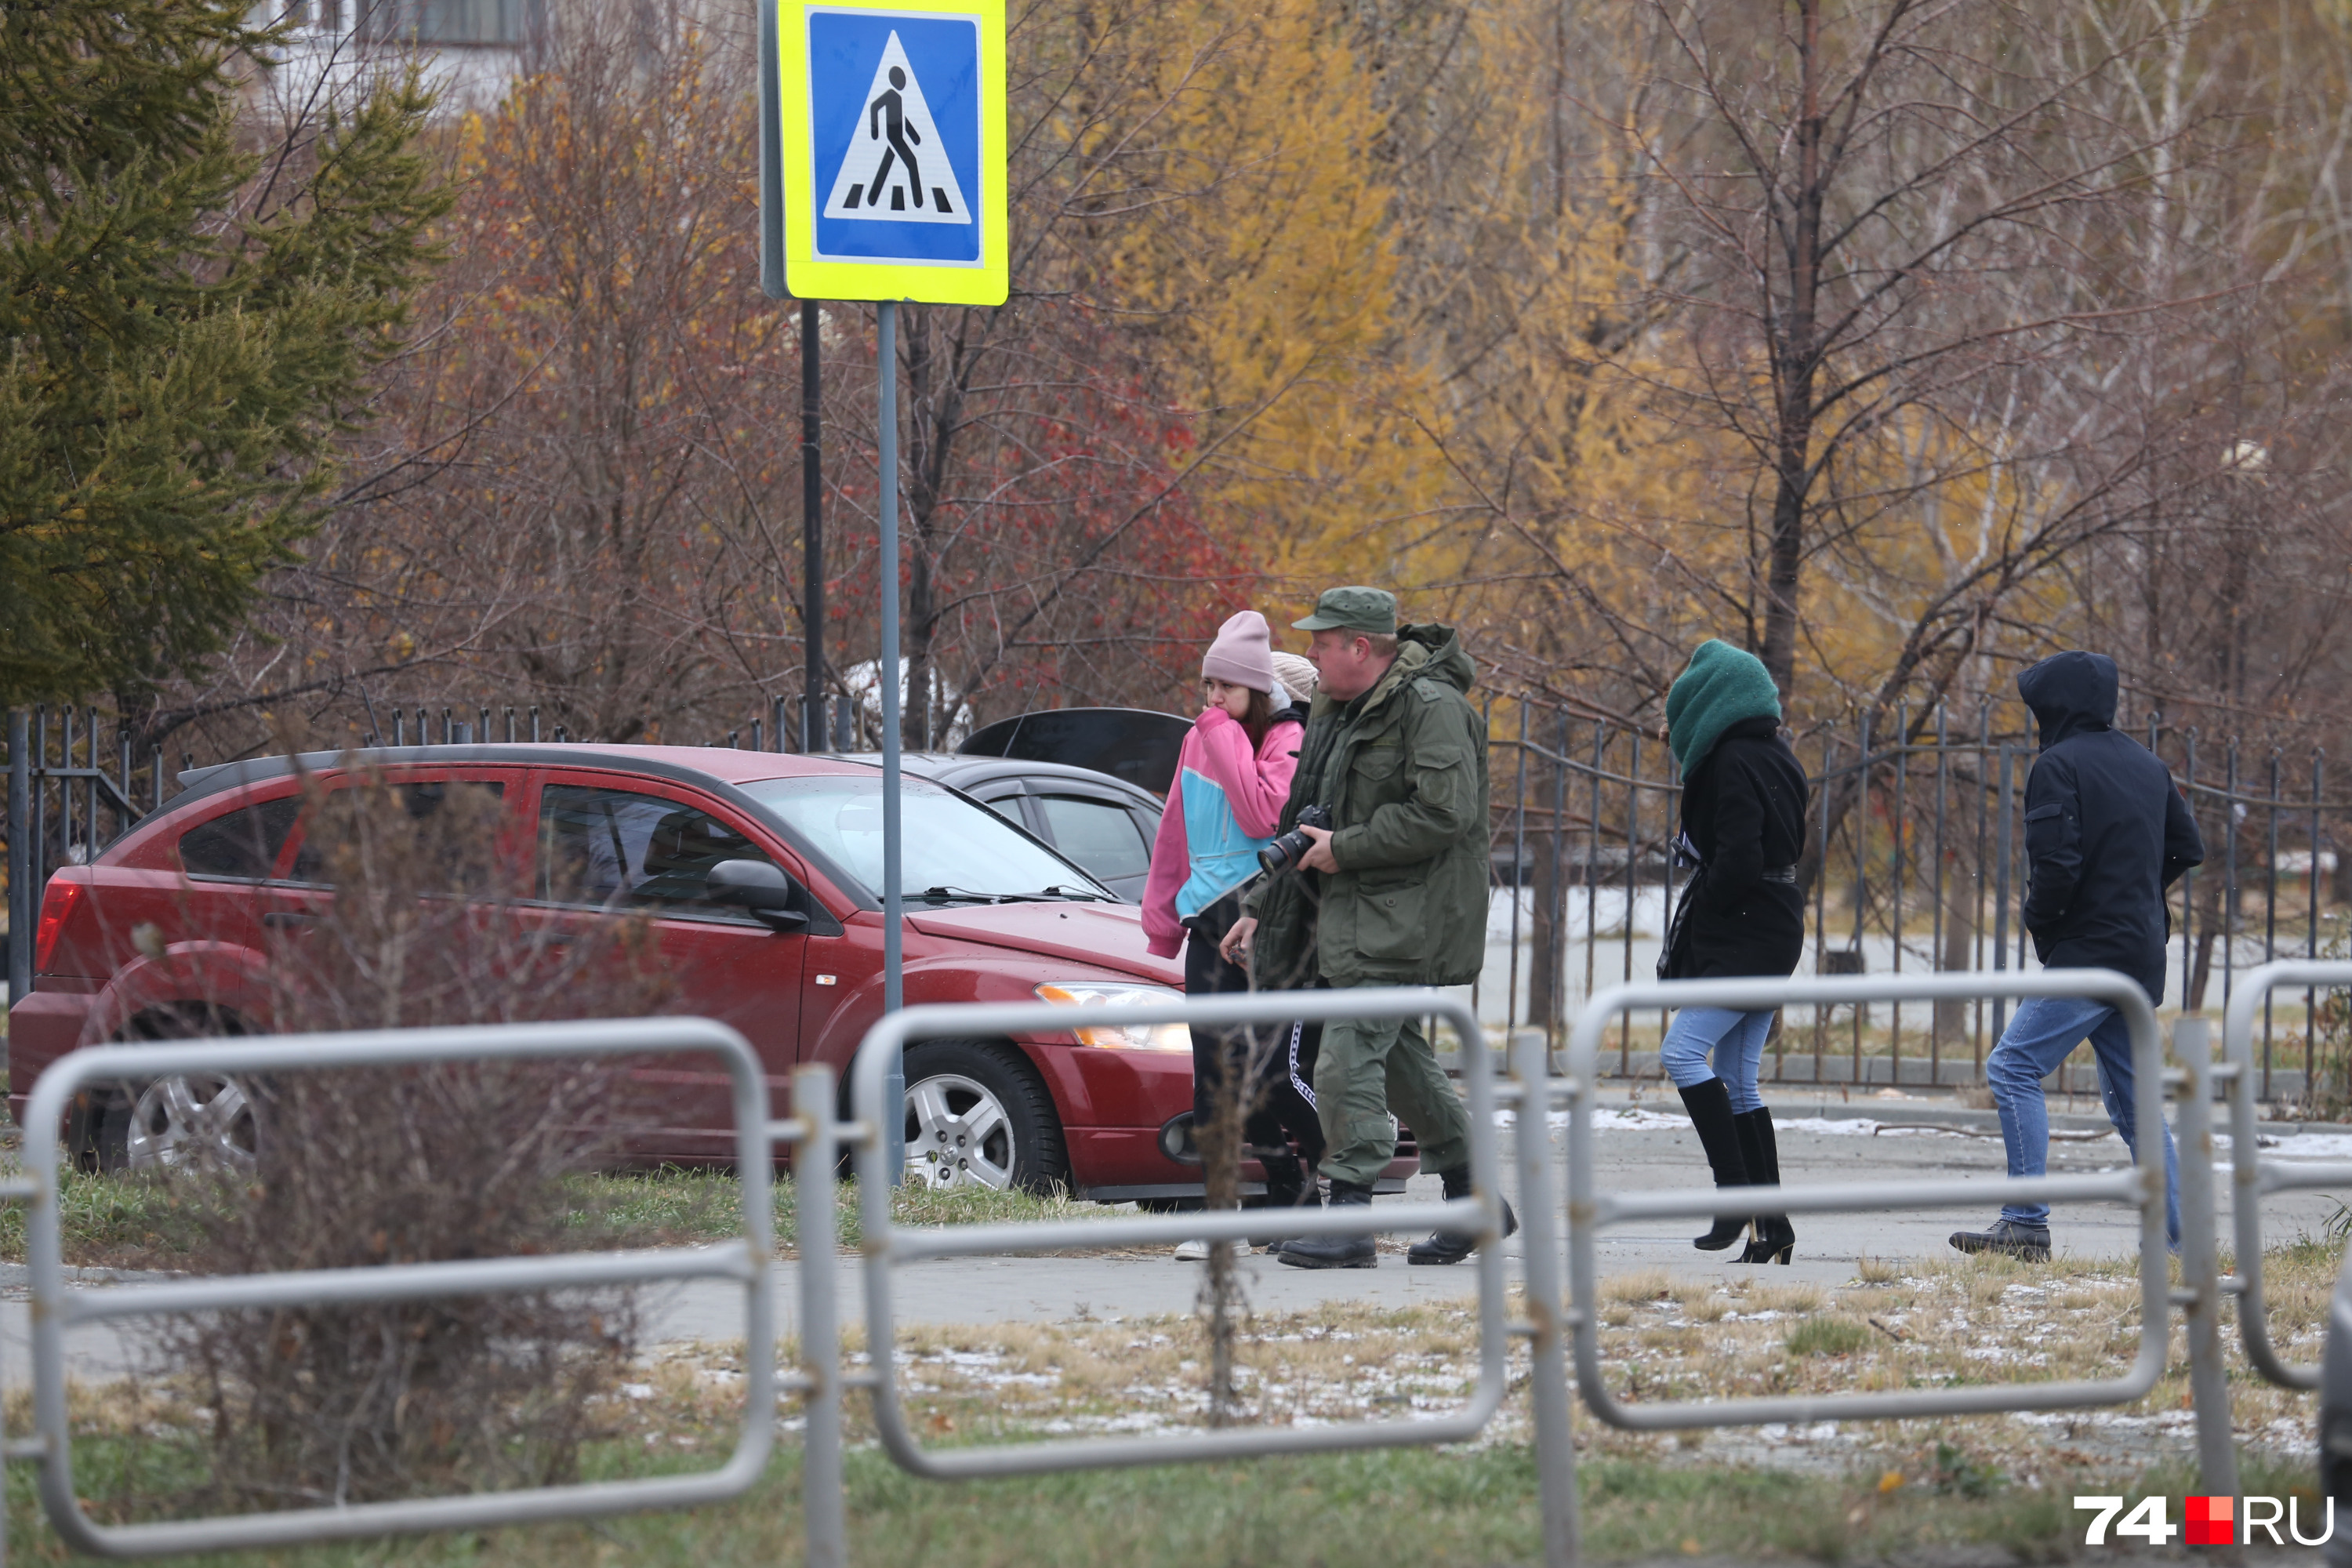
x: 1198, y: 1251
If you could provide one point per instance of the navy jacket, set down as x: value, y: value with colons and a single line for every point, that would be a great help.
x: 1744, y: 809
x: 2106, y: 831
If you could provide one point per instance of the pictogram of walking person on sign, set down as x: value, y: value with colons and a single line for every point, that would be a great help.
x: 886, y: 118
x: 882, y: 172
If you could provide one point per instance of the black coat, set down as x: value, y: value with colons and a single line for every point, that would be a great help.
x: 1744, y: 809
x: 2106, y: 831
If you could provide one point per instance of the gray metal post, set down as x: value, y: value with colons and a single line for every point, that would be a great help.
x: 891, y: 670
x: 812, y: 538
x: 2002, y: 853
x: 1821, y: 899
x: 22, y: 910
x: 1519, y: 874
x: 813, y: 1163
x: 2200, y: 1264
x: 1546, y: 1306
x: 1861, y: 819
x: 2188, y: 877
x: 1556, y: 953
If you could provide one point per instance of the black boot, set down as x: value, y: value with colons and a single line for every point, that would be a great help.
x: 1336, y: 1251
x: 1446, y: 1246
x: 1287, y: 1186
x: 1775, y: 1236
x: 1709, y: 1105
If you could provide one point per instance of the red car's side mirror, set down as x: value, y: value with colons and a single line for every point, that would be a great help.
x: 761, y: 890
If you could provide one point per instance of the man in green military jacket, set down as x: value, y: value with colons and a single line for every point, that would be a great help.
x: 1394, y: 893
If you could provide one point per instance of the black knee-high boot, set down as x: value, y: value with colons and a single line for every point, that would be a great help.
x: 1709, y: 1105
x: 1775, y: 1236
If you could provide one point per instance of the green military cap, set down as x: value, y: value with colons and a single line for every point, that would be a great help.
x: 1355, y: 609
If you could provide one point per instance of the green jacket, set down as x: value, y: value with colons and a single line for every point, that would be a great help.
x: 1404, y: 770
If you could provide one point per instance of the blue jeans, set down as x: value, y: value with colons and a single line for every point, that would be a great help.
x: 1737, y: 1040
x: 2040, y: 1034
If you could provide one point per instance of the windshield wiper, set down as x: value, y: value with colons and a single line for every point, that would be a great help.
x: 966, y: 896
x: 955, y: 896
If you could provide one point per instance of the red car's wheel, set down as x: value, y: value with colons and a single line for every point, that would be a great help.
x: 977, y: 1115
x: 167, y: 1125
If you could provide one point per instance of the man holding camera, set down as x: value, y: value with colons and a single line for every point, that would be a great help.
x: 1391, y: 892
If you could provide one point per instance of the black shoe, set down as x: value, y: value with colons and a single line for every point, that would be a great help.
x: 1775, y: 1241
x: 2030, y: 1243
x: 1336, y: 1251
x: 1775, y: 1237
x: 1451, y: 1247
x: 1709, y: 1105
x: 1287, y: 1186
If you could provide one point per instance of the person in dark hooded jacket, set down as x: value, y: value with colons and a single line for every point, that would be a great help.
x: 2105, y: 833
x: 1744, y: 822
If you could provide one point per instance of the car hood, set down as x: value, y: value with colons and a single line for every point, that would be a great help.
x: 1106, y: 936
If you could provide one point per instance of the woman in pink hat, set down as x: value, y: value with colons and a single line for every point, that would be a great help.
x: 1231, y: 778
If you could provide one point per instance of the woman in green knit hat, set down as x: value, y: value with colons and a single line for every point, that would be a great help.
x: 1741, y: 915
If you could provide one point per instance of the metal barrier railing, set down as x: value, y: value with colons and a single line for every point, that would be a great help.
x: 1558, y: 1318
x: 1591, y: 1209
x: 57, y: 1306
x: 887, y: 1245
x: 2253, y: 1177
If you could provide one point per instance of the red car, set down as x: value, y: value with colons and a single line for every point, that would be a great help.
x: 759, y: 871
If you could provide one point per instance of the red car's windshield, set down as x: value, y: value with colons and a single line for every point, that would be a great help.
x: 947, y: 844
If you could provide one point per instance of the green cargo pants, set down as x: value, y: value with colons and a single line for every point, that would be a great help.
x: 1368, y: 1068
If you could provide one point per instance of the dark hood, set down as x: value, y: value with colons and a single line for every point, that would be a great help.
x: 2071, y: 694
x: 1443, y: 655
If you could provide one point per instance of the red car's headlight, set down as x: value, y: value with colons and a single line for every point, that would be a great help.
x: 1119, y: 1037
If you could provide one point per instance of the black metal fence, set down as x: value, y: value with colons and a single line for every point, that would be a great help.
x: 79, y: 778
x: 1915, y: 860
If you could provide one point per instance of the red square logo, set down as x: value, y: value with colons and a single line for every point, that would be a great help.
x: 2209, y: 1522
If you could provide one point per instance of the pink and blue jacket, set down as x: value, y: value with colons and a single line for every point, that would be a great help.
x: 1221, y: 811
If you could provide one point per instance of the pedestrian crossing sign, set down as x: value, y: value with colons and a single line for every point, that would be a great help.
x: 890, y: 147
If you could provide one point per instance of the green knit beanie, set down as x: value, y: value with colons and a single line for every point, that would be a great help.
x: 1722, y: 686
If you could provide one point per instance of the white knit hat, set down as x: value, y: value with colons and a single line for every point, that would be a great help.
x: 1297, y: 675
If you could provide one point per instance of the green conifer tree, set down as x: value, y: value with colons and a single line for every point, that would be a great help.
x: 188, y: 318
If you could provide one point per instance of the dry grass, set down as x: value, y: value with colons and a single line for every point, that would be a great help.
x: 1918, y: 1324
x: 1645, y: 1286
x: 1915, y: 1324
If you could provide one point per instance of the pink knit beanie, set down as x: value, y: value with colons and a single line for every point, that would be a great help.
x: 1241, y: 655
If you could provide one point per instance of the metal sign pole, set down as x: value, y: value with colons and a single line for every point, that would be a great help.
x: 811, y: 540
x: 890, y: 668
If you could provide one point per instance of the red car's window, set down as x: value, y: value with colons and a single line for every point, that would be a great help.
x: 242, y: 844
x: 456, y: 819
x: 619, y: 850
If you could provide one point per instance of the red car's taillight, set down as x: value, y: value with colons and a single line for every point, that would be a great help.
x: 58, y: 905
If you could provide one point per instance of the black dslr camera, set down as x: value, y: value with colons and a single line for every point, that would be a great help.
x: 1283, y: 854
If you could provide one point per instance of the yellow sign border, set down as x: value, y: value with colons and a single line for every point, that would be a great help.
x: 809, y: 278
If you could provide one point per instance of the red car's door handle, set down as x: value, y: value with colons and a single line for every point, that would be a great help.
x: 285, y: 918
